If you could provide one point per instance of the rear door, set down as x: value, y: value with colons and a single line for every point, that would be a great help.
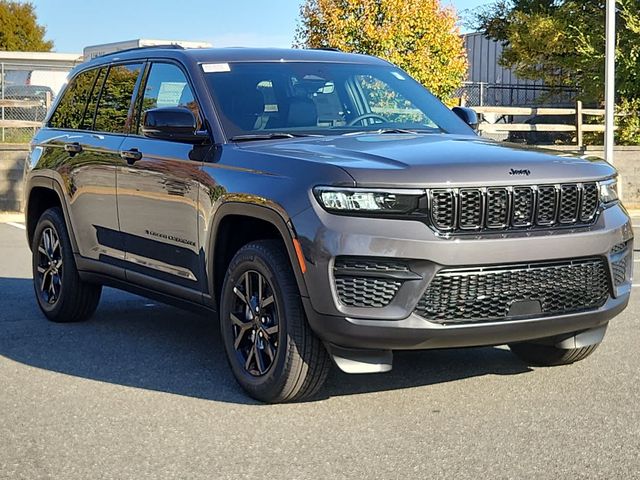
x: 85, y: 153
x: 158, y: 194
x: 104, y: 126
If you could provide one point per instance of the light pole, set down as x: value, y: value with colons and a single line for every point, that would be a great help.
x: 609, y: 84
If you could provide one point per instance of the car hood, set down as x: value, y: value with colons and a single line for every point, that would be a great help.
x: 437, y: 160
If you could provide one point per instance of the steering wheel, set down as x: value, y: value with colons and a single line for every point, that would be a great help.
x: 364, y: 116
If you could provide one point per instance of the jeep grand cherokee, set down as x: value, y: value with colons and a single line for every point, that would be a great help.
x: 324, y: 206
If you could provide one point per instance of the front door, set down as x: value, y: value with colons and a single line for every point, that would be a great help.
x: 158, y: 195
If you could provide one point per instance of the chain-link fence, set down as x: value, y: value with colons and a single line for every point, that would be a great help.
x: 26, y: 93
x: 479, y: 94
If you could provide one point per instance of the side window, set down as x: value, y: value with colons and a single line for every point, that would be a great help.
x: 115, y: 99
x: 387, y: 102
x: 167, y: 86
x: 90, y: 111
x: 69, y: 111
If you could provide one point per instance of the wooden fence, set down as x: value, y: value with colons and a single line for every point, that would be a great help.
x: 579, y: 127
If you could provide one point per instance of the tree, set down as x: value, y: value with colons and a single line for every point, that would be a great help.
x: 562, y: 42
x: 419, y: 36
x: 19, y: 29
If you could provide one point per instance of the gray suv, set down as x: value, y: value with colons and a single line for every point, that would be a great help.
x: 325, y: 207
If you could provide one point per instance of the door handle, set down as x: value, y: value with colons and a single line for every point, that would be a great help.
x: 131, y: 156
x: 72, y: 148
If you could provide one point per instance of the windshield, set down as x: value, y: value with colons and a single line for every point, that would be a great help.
x: 277, y: 99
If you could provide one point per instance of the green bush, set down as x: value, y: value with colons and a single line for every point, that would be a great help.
x: 628, y: 132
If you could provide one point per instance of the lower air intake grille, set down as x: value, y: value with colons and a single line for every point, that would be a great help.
x: 619, y: 263
x: 369, y: 282
x: 487, y: 294
x: 366, y: 292
x: 369, y: 265
x: 619, y: 270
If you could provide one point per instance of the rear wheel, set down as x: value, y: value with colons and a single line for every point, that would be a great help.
x: 271, y: 349
x: 61, y: 294
x: 548, y: 355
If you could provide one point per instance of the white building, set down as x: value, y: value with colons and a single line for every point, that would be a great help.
x: 37, y: 68
x: 94, y: 51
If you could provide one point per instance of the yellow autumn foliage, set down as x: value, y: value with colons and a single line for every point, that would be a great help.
x: 420, y: 36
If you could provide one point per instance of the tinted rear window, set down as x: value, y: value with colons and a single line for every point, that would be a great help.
x: 115, y: 99
x: 69, y: 111
x: 87, y: 122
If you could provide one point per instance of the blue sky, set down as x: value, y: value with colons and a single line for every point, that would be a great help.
x: 74, y: 24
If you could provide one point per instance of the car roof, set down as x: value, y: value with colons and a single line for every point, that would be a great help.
x: 236, y: 54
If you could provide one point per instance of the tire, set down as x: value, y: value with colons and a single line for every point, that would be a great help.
x: 61, y: 294
x: 288, y: 363
x: 548, y: 355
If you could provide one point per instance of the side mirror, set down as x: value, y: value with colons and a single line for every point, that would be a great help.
x: 467, y: 115
x: 172, y: 123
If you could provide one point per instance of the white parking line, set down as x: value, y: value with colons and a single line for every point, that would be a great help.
x: 17, y: 225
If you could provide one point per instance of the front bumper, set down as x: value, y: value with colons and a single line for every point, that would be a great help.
x: 416, y: 333
x: 395, y: 326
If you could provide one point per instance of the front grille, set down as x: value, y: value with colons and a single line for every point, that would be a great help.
x: 493, y: 293
x: 502, y: 208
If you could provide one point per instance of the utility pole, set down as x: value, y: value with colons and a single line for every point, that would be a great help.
x: 610, y: 80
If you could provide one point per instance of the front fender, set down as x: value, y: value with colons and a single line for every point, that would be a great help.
x: 265, y: 213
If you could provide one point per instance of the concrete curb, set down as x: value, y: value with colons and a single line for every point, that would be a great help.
x: 16, y: 217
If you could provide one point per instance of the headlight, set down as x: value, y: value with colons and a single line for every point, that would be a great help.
x: 369, y: 200
x: 609, y: 191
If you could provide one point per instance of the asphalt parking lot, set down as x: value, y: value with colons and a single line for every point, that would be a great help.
x: 143, y: 391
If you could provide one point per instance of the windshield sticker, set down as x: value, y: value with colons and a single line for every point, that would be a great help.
x: 398, y: 75
x: 215, y: 67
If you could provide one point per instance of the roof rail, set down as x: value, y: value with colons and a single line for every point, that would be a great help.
x: 328, y: 49
x: 144, y: 47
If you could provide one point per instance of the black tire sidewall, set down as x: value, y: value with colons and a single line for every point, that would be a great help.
x: 267, y: 385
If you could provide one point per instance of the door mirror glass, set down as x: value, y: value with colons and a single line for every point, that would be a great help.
x: 172, y: 123
x: 467, y: 115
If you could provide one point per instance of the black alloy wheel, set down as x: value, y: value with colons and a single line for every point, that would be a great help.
x: 50, y: 264
x: 254, y: 316
x: 60, y: 292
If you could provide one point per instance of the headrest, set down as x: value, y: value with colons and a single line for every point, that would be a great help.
x: 302, y: 113
x: 246, y: 108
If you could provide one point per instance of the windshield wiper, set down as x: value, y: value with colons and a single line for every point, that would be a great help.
x: 269, y: 136
x: 382, y: 131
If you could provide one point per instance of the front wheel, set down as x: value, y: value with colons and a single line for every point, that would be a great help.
x: 274, y: 355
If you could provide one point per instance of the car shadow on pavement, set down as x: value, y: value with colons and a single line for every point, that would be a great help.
x: 140, y: 343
